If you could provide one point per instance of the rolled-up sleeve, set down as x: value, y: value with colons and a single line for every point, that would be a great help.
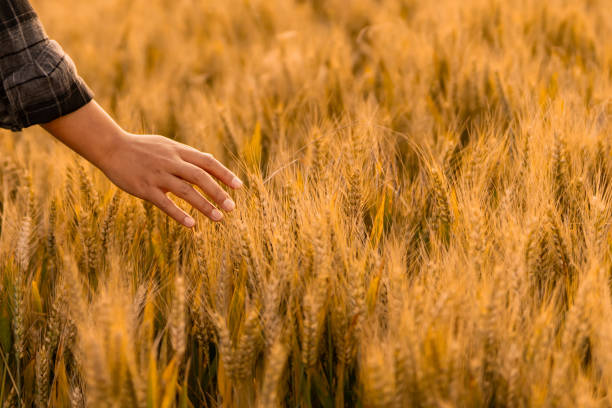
x: 39, y: 81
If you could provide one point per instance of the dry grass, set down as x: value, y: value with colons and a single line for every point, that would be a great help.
x: 425, y: 220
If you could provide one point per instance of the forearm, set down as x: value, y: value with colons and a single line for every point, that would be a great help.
x: 89, y: 131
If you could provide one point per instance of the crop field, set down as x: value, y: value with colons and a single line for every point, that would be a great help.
x: 424, y: 223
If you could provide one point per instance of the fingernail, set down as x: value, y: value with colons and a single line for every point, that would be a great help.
x: 236, y: 182
x: 228, y: 205
x: 188, y: 222
x: 216, y: 215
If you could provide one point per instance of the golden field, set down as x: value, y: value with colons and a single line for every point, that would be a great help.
x: 425, y: 218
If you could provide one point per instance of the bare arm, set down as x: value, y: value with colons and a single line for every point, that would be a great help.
x: 146, y: 166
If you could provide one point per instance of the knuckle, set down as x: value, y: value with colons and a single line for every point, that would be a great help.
x: 148, y: 182
x: 176, y: 152
x: 219, y: 194
x: 206, y: 207
x: 185, y: 189
x: 142, y: 189
x: 208, y: 158
x: 199, y: 177
x: 168, y: 162
x: 163, y: 205
x: 160, y: 203
x: 212, y: 190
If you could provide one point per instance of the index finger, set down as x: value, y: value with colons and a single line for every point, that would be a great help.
x: 207, y: 162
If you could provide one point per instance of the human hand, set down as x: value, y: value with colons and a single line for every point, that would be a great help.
x: 149, y: 166
x: 146, y: 166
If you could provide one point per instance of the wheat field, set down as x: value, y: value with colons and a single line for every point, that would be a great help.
x: 424, y: 223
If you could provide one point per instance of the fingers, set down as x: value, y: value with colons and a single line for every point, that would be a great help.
x: 199, y: 177
x: 184, y: 190
x: 170, y: 208
x: 207, y: 162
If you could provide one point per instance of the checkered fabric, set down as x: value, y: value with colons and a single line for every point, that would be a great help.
x: 39, y: 81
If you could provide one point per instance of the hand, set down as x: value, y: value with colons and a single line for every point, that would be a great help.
x: 149, y: 166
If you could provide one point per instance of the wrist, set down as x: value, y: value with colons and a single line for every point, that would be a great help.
x: 91, y: 133
x: 109, y: 146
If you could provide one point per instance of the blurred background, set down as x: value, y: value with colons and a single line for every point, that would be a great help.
x: 425, y: 218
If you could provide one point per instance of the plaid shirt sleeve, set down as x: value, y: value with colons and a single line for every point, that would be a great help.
x: 38, y: 80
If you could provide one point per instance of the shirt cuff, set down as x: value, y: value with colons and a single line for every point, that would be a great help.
x: 53, y: 100
x: 41, y: 82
